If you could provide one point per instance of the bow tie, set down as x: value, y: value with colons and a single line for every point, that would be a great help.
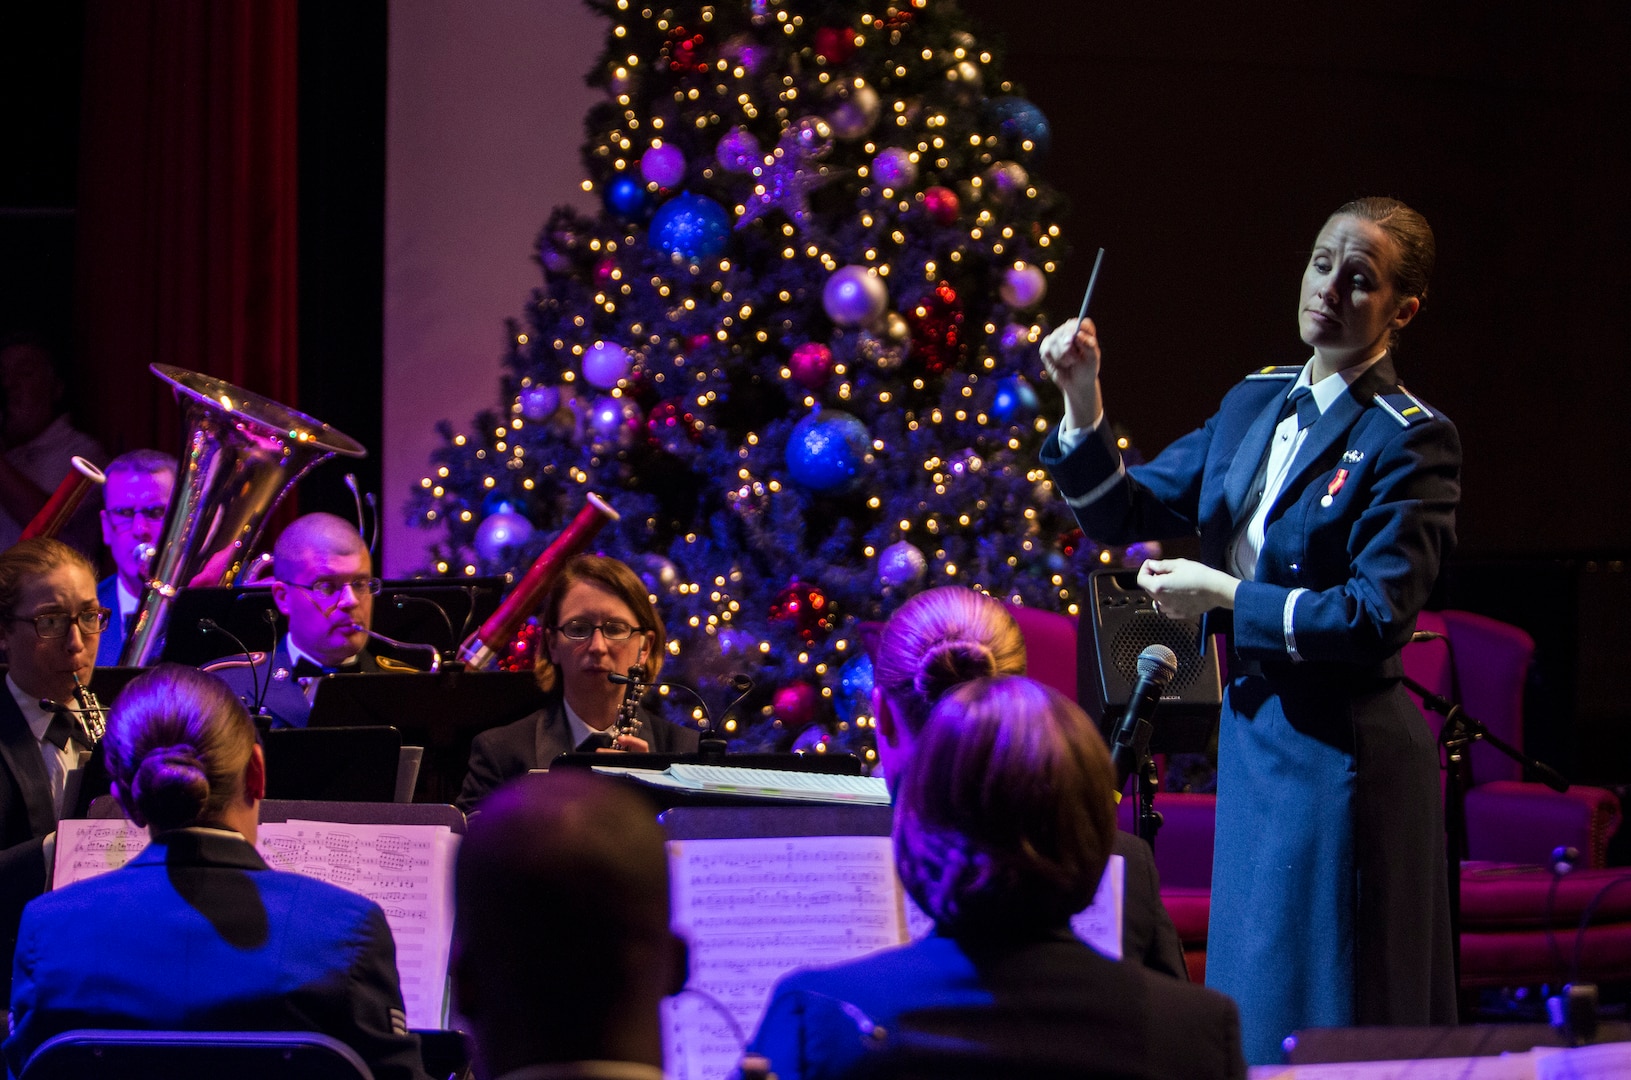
x: 64, y: 727
x: 305, y: 669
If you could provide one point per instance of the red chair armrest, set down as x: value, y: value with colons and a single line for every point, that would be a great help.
x: 1516, y: 822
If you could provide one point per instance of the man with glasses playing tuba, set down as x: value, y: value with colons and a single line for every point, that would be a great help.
x: 323, y: 584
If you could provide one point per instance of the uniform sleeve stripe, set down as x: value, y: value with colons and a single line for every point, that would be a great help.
x: 1101, y: 491
x: 1290, y: 630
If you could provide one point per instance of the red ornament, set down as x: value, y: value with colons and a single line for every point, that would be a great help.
x: 1071, y: 541
x: 936, y: 322
x: 806, y: 610
x: 522, y: 652
x: 794, y: 704
x: 942, y: 205
x: 684, y: 51
x: 811, y: 364
x: 835, y: 44
x: 671, y: 427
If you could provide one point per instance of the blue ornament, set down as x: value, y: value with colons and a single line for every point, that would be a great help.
x: 500, y: 535
x: 1014, y: 400
x: 691, y: 226
x: 901, y: 563
x: 1020, y: 122
x: 855, y: 686
x: 626, y: 197
x: 827, y: 451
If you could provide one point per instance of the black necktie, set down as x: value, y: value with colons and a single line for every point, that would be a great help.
x: 1301, y: 401
x: 61, y: 729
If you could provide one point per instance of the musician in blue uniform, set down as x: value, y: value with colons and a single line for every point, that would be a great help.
x: 323, y: 584
x: 1324, y: 499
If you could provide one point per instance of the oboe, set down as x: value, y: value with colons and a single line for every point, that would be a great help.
x: 628, y: 713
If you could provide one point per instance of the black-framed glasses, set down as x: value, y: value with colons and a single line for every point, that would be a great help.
x: 584, y: 629
x: 326, y: 589
x: 54, y: 624
x: 125, y: 516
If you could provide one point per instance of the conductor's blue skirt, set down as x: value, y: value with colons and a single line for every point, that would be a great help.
x: 1329, y: 900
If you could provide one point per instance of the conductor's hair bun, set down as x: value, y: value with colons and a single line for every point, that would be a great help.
x: 171, y: 788
x: 951, y: 663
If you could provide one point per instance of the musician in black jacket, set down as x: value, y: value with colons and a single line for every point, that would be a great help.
x: 1003, y: 825
x: 50, y: 623
x: 598, y: 620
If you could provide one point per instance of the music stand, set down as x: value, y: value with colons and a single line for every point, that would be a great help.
x: 239, y: 610
x: 336, y: 764
x: 441, y: 712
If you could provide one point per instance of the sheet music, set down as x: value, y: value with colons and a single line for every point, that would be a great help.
x: 754, y: 909
x: 1503, y: 1067
x: 88, y: 847
x: 1606, y: 1061
x: 407, y: 870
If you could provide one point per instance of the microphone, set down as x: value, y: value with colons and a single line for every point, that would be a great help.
x: 1157, y: 666
x: 401, y: 600
x: 210, y: 626
x: 628, y: 680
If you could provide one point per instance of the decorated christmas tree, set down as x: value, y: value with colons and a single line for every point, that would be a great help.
x: 792, y: 343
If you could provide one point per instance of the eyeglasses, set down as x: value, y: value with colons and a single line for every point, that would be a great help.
x: 326, y: 589
x: 54, y: 624
x: 583, y: 630
x: 125, y: 516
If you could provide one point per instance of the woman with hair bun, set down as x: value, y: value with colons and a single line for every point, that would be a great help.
x: 196, y: 932
x: 1004, y: 821
x: 942, y: 638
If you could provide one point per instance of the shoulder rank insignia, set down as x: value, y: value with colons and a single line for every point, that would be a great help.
x: 1404, y: 407
x: 1285, y: 371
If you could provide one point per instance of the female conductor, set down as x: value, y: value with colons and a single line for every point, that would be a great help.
x: 1324, y: 498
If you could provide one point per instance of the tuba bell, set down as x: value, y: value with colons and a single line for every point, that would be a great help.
x: 242, y: 452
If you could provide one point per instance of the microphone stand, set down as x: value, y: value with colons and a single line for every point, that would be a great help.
x: 1456, y: 736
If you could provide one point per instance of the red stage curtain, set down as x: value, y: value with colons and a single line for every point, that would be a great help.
x: 187, y: 206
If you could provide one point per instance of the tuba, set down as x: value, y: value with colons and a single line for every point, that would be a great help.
x: 242, y: 452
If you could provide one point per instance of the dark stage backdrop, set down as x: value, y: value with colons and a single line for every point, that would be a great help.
x: 1203, y: 145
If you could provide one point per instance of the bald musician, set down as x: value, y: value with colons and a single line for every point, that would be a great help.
x: 323, y: 583
x: 577, y: 865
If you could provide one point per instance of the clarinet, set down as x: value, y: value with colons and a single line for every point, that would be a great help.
x: 91, y: 713
x: 628, y: 713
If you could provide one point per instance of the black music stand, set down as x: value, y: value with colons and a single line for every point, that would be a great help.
x: 338, y: 764
x: 406, y: 609
x: 107, y: 683
x: 441, y: 712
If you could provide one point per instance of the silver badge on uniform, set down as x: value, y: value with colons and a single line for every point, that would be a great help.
x: 1353, y: 457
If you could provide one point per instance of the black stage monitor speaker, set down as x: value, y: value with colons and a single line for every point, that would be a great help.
x: 1117, y: 623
